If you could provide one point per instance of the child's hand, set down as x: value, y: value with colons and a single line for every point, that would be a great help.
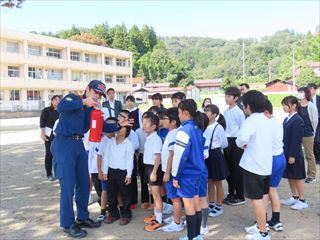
x: 175, y: 183
x: 291, y: 160
x: 100, y: 175
x: 153, y: 177
x: 127, y: 180
x: 44, y: 137
x: 166, y: 177
x: 105, y: 177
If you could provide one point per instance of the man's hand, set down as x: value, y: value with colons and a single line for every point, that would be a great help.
x: 127, y: 180
x: 176, y: 183
x: 291, y: 160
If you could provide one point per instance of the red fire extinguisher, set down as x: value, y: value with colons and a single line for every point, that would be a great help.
x: 96, y: 125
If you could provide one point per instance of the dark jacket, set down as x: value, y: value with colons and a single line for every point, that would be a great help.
x: 117, y: 107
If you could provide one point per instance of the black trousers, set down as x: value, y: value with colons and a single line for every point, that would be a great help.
x: 134, y: 182
x: 97, y: 185
x: 233, y: 155
x: 48, y: 158
x: 117, y: 185
x: 144, y: 186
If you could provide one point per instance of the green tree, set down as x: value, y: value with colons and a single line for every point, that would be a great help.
x: 102, y: 31
x: 306, y: 76
x: 119, y: 36
x: 89, y: 38
x: 66, y: 34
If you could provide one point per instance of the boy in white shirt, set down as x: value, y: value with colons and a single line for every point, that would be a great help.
x: 234, y: 117
x: 153, y: 173
x: 256, y: 138
x: 117, y: 168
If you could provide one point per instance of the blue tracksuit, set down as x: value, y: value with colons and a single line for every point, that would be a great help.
x: 188, y: 160
x: 69, y: 157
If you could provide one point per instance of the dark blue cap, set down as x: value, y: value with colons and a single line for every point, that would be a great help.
x: 98, y: 86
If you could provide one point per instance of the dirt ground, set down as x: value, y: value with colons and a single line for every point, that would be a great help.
x: 30, y: 207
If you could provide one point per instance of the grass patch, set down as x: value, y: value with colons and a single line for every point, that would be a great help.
x: 276, y: 99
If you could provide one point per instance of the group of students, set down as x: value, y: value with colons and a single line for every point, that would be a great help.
x: 183, y: 154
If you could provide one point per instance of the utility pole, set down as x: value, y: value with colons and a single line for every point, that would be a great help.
x: 270, y: 77
x: 293, y: 78
x: 243, y: 63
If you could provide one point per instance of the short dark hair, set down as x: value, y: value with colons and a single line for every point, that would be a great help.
x: 173, y: 115
x: 154, y: 119
x: 157, y: 96
x: 312, y: 85
x: 130, y: 98
x: 233, y: 91
x: 204, y: 100
x: 190, y: 106
x: 255, y: 100
x: 212, y: 108
x: 110, y: 89
x: 269, y: 107
x: 154, y: 108
x: 290, y: 100
x: 178, y: 95
x: 125, y: 112
x: 111, y: 120
x: 306, y: 91
x: 245, y: 85
x: 54, y: 97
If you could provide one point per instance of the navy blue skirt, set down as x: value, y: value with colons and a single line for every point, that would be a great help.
x: 217, y: 165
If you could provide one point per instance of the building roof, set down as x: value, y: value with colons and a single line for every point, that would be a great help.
x: 314, y: 64
x: 289, y: 82
x: 164, y: 89
x: 208, y: 82
x: 157, y: 85
x: 138, y: 80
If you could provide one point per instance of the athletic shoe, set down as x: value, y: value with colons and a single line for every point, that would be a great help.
x: 254, y: 229
x: 310, y: 180
x: 154, y: 226
x: 258, y: 236
x: 278, y: 227
x: 173, y: 227
x: 101, y: 218
x: 90, y: 200
x: 51, y: 178
x: 185, y: 223
x: 149, y: 220
x: 195, y: 238
x: 299, y: 205
x: 144, y: 205
x: 211, y: 207
x: 168, y: 220
x: 167, y: 208
x: 133, y: 206
x: 228, y: 199
x: 289, y: 202
x: 151, y: 206
x: 204, y: 231
x: 237, y: 201
x: 216, y: 212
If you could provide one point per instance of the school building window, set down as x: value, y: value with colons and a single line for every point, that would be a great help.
x: 107, y: 60
x: 55, y: 53
x: 35, y: 73
x: 14, y: 95
x: 12, y: 47
x: 55, y: 74
x: 75, y: 56
x: 76, y: 76
x: 90, y: 58
x: 34, y: 50
x: 91, y: 76
x: 121, y: 79
x: 108, y: 78
x: 13, y: 71
x: 121, y: 62
x: 33, y: 95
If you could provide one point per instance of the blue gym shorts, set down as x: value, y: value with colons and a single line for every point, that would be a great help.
x: 104, y: 185
x: 171, y: 190
x: 189, y: 186
x: 278, y: 166
x: 203, y: 189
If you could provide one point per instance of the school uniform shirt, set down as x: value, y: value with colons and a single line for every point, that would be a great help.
x: 277, y: 143
x: 167, y: 146
x: 219, y: 138
x: 142, y: 136
x: 188, y: 158
x: 152, y: 146
x: 256, y: 135
x: 134, y: 139
x: 234, y: 119
x: 118, y: 156
x: 95, y: 149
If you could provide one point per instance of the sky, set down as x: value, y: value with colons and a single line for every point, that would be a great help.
x: 219, y: 19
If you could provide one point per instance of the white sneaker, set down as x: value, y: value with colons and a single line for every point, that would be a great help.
x: 257, y: 236
x: 299, y: 205
x: 90, y: 200
x: 204, y: 231
x: 168, y: 220
x: 167, y: 208
x: 173, y: 227
x: 216, y: 212
x: 199, y: 237
x: 289, y: 202
x: 185, y: 223
x: 254, y: 229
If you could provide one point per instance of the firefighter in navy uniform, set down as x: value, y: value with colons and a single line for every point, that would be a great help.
x: 70, y: 160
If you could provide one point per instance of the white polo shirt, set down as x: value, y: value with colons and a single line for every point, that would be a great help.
x: 118, y: 156
x: 277, y: 143
x: 234, y: 119
x: 167, y: 146
x: 152, y: 146
x: 95, y: 149
x: 219, y: 138
x: 256, y: 132
x: 142, y: 136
